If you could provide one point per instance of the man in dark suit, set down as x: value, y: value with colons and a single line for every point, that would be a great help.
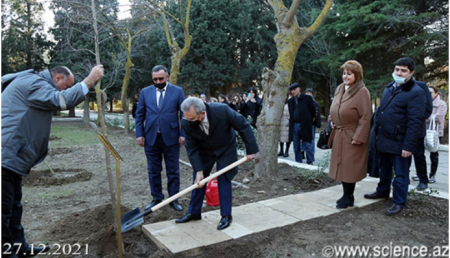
x: 158, y: 130
x: 210, y: 138
x: 317, y: 121
x: 301, y: 115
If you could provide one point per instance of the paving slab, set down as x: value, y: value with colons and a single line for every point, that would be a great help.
x: 258, y: 217
x: 166, y: 235
x: 277, y: 212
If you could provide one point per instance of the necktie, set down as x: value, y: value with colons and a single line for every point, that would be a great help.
x: 161, y: 98
x: 206, y: 128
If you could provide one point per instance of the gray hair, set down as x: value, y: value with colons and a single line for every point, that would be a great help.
x: 158, y: 68
x: 60, y: 70
x: 197, y: 103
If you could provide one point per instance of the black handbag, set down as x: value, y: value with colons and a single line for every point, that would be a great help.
x: 324, y: 136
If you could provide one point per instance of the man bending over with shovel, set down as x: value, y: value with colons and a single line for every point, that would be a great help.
x: 210, y: 138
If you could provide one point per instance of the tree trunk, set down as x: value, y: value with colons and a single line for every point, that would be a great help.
x: 101, y: 110
x: 288, y: 40
x: 124, y: 97
x: 175, y: 68
x: 275, y: 85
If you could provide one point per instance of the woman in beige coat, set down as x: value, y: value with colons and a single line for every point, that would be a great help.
x: 350, y: 114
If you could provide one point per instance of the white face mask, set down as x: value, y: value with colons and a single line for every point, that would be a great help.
x: 399, y: 80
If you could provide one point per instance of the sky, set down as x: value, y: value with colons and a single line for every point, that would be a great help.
x: 49, y: 18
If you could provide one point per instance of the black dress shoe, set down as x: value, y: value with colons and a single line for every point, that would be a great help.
x: 176, y: 206
x: 225, y: 222
x: 153, y: 203
x: 376, y: 195
x: 394, y: 209
x: 286, y: 155
x: 188, y: 217
x: 30, y: 252
x: 280, y: 153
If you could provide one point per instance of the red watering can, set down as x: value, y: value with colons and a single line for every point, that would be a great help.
x: 212, y: 193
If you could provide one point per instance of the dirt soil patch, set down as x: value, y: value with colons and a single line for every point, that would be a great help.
x: 77, y: 212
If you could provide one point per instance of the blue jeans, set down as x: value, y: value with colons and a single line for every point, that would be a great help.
x: 386, y: 162
x: 300, y: 146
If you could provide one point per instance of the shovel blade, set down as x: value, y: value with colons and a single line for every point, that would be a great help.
x: 130, y: 215
x: 131, y: 220
x: 129, y: 225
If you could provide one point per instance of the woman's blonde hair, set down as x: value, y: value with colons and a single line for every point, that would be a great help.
x: 355, y: 67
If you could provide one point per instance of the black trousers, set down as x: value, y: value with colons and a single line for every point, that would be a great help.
x: 420, y: 161
x: 434, y: 157
x: 12, y: 230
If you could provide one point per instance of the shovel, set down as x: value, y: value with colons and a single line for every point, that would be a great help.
x: 135, y: 217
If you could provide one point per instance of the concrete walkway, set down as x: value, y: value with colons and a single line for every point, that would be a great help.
x: 273, y: 213
x: 442, y: 174
x: 251, y: 218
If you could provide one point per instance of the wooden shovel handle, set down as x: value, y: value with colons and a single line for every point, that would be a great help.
x: 194, y: 186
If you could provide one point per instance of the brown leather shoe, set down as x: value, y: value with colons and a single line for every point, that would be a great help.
x: 376, y: 195
x: 394, y: 209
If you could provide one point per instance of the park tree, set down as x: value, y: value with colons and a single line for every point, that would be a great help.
x: 126, y: 31
x: 275, y: 82
x: 229, y: 48
x: 80, y: 41
x: 176, y: 29
x: 377, y: 33
x: 75, y: 47
x: 24, y: 42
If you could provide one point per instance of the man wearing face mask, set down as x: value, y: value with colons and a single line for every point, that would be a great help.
x: 158, y: 130
x: 210, y: 138
x: 398, y: 122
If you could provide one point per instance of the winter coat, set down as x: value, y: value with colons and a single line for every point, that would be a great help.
x: 252, y: 109
x: 317, y: 119
x: 308, y: 111
x: 428, y: 105
x: 439, y: 110
x: 284, y: 125
x: 27, y: 109
x: 350, y: 112
x: 399, y: 118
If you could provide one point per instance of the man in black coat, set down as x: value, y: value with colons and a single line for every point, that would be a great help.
x: 419, y: 155
x: 398, y: 122
x: 301, y: 115
x: 210, y: 138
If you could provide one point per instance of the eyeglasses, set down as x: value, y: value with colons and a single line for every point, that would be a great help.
x: 158, y: 79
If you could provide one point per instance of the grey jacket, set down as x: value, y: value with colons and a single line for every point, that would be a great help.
x: 28, y: 103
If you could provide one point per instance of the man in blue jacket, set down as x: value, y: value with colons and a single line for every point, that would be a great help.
x: 28, y: 102
x: 158, y: 131
x: 210, y: 138
x: 399, y: 120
